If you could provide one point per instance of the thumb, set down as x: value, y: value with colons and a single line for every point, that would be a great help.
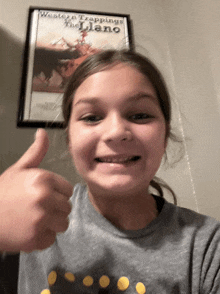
x: 36, y: 152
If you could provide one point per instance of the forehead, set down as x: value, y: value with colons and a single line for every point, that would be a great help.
x: 120, y: 80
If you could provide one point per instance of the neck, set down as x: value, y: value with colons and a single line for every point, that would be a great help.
x: 130, y: 212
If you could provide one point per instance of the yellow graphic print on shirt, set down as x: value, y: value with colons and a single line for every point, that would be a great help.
x: 68, y: 283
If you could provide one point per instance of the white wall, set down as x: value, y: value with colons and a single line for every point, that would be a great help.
x: 181, y: 37
x: 193, y: 36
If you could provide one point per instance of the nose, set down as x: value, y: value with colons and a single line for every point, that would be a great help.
x: 117, y: 129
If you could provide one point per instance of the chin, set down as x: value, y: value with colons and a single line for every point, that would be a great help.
x: 117, y: 186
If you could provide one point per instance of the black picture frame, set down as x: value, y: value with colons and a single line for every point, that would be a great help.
x: 57, y: 41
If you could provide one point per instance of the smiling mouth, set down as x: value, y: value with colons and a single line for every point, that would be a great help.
x: 121, y: 160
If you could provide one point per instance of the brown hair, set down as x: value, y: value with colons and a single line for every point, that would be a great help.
x: 105, y: 59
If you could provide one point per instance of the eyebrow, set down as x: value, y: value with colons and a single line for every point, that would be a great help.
x: 136, y: 97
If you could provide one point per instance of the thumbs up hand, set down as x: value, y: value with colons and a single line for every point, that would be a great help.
x: 34, y: 203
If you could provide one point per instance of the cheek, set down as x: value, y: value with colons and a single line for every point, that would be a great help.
x: 158, y: 146
x: 153, y: 136
x: 82, y: 146
x: 155, y: 146
x: 154, y: 143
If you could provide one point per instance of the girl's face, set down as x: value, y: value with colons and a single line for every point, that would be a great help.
x: 117, y: 131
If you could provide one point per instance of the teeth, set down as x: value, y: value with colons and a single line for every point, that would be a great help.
x: 117, y: 160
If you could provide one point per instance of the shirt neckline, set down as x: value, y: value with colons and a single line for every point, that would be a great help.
x: 94, y: 218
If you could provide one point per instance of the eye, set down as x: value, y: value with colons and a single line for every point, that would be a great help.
x: 141, y: 117
x: 91, y: 119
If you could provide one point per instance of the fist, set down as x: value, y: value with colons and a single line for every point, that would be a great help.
x: 34, y: 203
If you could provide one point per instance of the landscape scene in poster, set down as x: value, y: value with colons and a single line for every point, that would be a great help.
x: 65, y: 40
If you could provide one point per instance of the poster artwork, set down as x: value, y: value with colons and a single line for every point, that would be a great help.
x: 59, y: 42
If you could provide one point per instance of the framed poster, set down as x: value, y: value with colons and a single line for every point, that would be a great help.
x: 57, y: 42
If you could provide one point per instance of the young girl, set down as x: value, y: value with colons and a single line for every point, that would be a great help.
x: 121, y: 238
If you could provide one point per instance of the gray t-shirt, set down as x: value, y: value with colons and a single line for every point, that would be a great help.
x: 178, y: 252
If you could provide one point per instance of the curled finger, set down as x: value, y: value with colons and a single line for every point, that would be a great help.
x: 59, y: 223
x: 61, y: 203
